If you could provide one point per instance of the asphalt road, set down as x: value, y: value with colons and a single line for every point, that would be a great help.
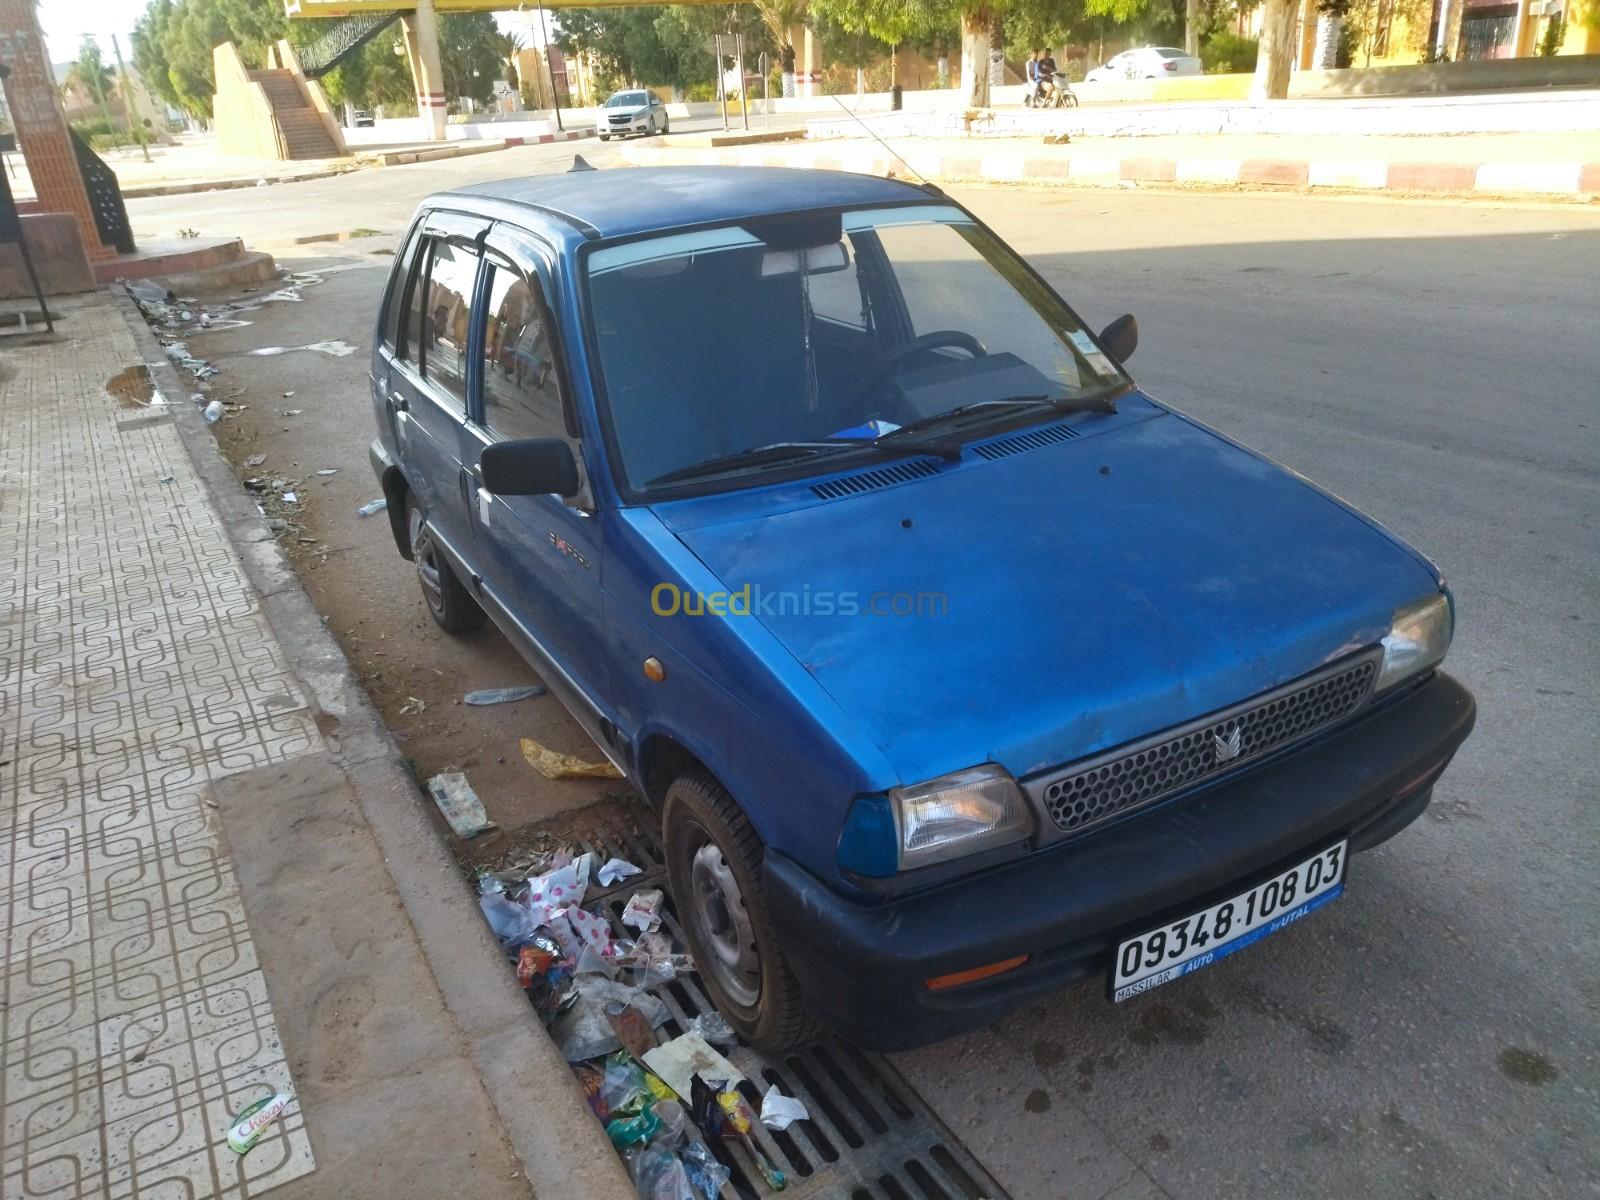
x: 1433, y: 1033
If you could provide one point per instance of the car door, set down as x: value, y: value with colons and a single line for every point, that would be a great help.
x: 429, y: 376
x: 542, y: 553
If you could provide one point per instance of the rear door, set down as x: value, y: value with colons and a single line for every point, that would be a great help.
x: 542, y: 554
x: 430, y: 376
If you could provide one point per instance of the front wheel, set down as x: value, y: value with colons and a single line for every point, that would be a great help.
x: 714, y: 870
x: 666, y: 125
x: 605, y: 137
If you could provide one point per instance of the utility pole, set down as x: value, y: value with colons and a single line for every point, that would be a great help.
x: 555, y: 92
x: 135, y: 124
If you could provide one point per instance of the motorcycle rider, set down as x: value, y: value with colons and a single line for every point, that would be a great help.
x: 1032, y: 69
x: 1046, y: 74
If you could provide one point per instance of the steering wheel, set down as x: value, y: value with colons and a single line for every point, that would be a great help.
x: 888, y: 363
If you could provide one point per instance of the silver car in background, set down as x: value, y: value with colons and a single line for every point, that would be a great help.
x: 630, y: 112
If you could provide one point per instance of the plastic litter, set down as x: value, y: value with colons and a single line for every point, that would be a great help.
x: 370, y: 507
x: 714, y: 1027
x: 291, y: 498
x: 655, y: 961
x: 623, y: 1090
x: 213, y: 412
x: 779, y: 1111
x: 413, y: 706
x: 505, y: 695
x: 511, y: 922
x: 167, y: 478
x: 328, y: 471
x: 633, y: 1131
x: 248, y: 1127
x: 705, y: 1172
x: 583, y: 1031
x: 458, y: 802
x: 643, y: 911
x: 255, y: 460
x: 685, y: 1058
x: 722, y: 1112
x: 659, y: 1174
x: 632, y: 1028
x: 615, y: 869
x: 554, y: 765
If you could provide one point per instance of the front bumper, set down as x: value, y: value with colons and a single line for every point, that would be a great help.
x: 862, y: 966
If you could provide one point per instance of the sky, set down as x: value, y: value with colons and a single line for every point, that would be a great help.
x: 66, y: 21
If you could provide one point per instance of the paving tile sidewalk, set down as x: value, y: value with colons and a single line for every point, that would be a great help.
x: 1557, y: 165
x: 155, y: 726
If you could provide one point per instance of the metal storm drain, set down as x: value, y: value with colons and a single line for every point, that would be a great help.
x: 869, y: 1136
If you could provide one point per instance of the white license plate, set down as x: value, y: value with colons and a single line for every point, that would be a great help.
x: 1200, y: 939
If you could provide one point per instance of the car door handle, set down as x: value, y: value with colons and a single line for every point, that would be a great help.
x: 401, y: 404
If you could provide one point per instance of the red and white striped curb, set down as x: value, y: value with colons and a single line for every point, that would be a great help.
x: 568, y: 135
x: 1497, y: 178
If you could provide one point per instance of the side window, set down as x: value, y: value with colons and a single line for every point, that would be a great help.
x: 446, y: 317
x: 395, y: 303
x: 521, y: 383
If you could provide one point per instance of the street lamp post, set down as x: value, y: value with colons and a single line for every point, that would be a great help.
x: 555, y: 92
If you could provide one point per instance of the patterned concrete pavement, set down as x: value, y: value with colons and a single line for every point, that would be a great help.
x: 136, y: 668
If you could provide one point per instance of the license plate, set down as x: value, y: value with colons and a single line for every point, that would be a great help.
x: 1200, y: 939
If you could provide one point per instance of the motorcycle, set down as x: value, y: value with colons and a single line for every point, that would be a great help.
x: 1054, y: 92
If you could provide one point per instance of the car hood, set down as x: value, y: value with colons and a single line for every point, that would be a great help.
x: 1065, y: 597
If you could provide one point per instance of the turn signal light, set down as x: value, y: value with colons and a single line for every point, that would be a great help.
x: 940, y: 982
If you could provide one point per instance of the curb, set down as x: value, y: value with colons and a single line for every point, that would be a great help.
x: 563, y: 1151
x: 359, y: 161
x: 1554, y: 180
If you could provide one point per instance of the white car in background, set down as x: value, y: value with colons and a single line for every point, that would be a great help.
x: 629, y: 112
x: 1147, y: 62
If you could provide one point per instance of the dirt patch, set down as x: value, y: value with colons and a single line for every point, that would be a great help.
x: 131, y: 387
x: 1527, y: 1066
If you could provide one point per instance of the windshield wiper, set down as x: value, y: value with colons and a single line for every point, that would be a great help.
x: 775, y: 452
x: 1061, y: 404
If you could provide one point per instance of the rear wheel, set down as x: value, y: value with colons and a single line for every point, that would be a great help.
x: 450, y: 604
x: 714, y: 868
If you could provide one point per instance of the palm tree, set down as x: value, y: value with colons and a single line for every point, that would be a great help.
x: 1330, y: 19
x: 780, y: 17
x: 509, y: 46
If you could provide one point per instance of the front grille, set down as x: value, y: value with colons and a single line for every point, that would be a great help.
x: 1130, y: 777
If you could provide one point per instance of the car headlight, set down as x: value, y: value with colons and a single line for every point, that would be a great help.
x: 957, y: 815
x: 1416, y: 641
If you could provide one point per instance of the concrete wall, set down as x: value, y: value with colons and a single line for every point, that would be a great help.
x: 241, y: 113
x: 56, y: 247
x: 1566, y: 70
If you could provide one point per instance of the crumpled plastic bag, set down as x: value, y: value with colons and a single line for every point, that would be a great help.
x: 554, y: 765
x: 659, y: 1174
x: 511, y: 922
x: 704, y: 1171
x: 616, y: 870
x: 584, y: 1031
x: 714, y: 1027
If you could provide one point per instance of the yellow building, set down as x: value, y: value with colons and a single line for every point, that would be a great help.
x: 1398, y: 32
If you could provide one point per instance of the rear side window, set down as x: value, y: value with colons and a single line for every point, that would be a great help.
x: 394, y: 305
x: 445, y: 316
x: 521, y: 381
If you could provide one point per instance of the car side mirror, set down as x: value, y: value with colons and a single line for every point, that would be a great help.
x: 1121, y: 337
x: 529, y: 467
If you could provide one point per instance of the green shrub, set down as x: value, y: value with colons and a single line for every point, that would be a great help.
x: 1226, y: 53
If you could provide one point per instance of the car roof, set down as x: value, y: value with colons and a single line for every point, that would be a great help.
x: 621, y: 201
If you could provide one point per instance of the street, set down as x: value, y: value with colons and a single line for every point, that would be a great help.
x: 1432, y: 1032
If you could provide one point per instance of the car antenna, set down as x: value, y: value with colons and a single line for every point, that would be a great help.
x: 924, y: 180
x: 579, y: 163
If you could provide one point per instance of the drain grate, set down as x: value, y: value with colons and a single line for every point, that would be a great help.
x: 870, y: 1136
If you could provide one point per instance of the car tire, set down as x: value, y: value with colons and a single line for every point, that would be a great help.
x: 666, y: 125
x: 605, y: 137
x: 714, y: 870
x: 448, y: 602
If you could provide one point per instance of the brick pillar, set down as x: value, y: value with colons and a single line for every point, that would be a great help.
x: 41, y: 126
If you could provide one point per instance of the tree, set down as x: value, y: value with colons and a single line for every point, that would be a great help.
x: 1271, y: 80
x: 172, y: 44
x: 510, y: 46
x: 1330, y: 21
x: 469, y: 55
x: 90, y: 73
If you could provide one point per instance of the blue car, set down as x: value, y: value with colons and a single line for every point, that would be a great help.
x: 956, y: 666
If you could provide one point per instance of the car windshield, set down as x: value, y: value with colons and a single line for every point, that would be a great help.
x: 628, y: 100
x: 735, y: 339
